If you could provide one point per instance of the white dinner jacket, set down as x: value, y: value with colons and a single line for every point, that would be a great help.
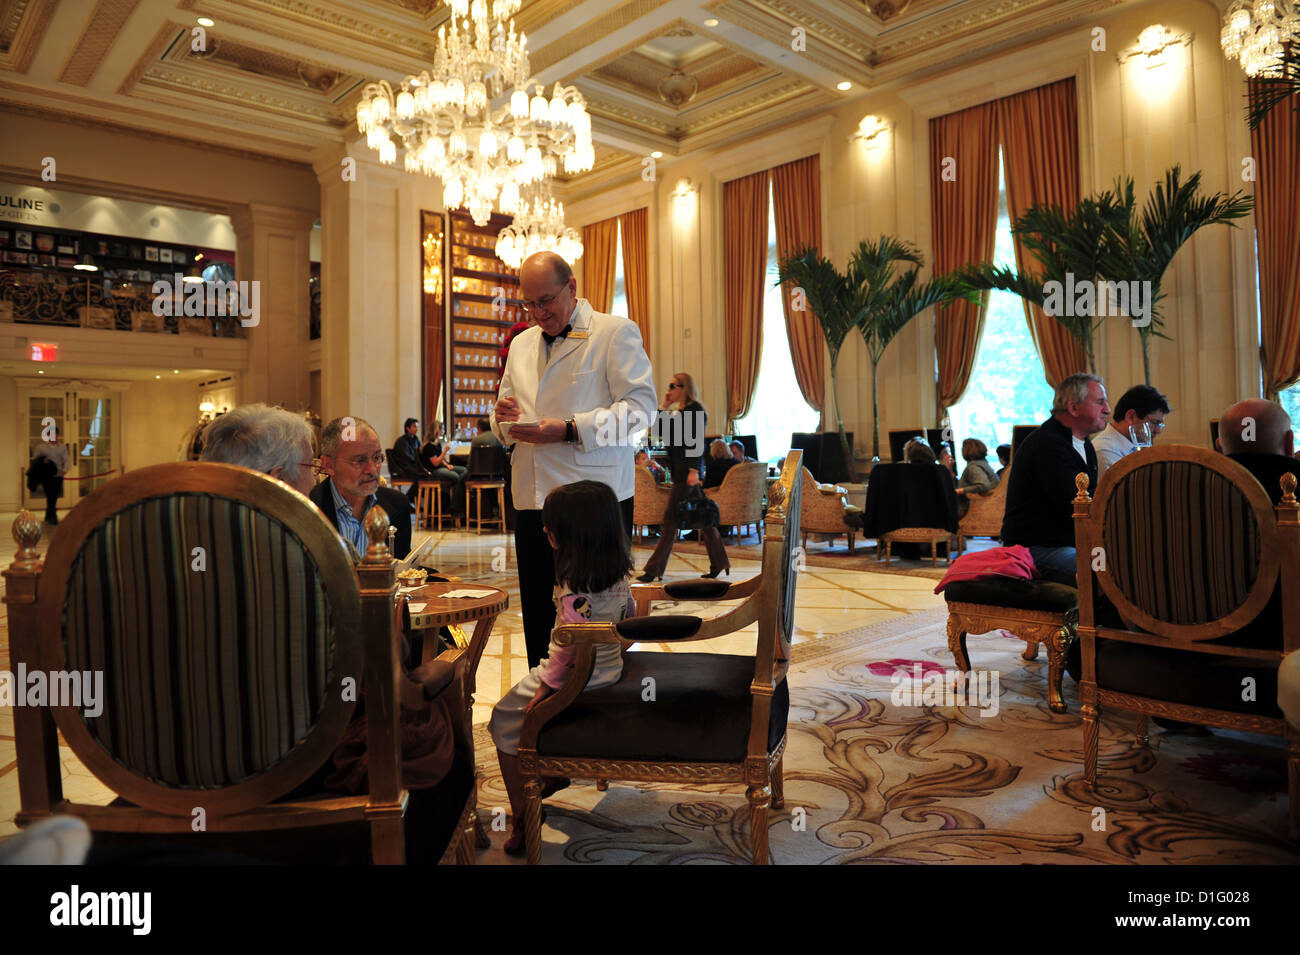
x: 600, y: 376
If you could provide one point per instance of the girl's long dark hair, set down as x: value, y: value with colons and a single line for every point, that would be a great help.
x: 592, y: 549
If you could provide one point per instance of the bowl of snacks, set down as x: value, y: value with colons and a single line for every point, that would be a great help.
x: 412, y: 577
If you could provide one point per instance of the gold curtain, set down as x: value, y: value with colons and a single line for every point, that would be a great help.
x: 636, y: 270
x: 1040, y: 147
x: 599, y: 249
x: 744, y: 243
x: 1276, y: 147
x: 963, y: 218
x: 797, y: 206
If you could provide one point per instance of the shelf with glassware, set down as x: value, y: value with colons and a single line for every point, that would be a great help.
x: 483, y: 292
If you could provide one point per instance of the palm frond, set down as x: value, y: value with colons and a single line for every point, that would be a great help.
x: 1268, y: 92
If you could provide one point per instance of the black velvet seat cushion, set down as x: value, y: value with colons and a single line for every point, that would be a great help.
x: 699, y: 589
x: 700, y: 713
x: 661, y: 626
x: 1180, y: 676
x: 1011, y: 592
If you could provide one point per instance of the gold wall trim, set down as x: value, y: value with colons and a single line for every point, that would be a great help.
x: 34, y: 18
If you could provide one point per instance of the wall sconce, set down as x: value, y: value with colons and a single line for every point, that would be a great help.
x: 684, y: 190
x: 872, y: 132
x: 685, y: 194
x: 1152, y: 43
x: 1162, y: 63
x: 207, y: 405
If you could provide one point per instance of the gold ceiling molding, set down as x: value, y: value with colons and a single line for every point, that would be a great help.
x: 292, y: 70
x: 580, y: 38
x: 217, y: 85
x: 24, y: 26
x: 768, y: 95
x: 79, y: 114
x: 1015, y: 16
x: 762, y: 21
x: 620, y: 110
x: 536, y: 15
x: 11, y: 15
x: 847, y: 37
x: 638, y: 75
x: 99, y: 35
x: 413, y: 39
x: 165, y: 37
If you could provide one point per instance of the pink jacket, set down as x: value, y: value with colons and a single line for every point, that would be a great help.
x: 1014, y: 562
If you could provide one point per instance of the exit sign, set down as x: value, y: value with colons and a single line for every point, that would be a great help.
x: 45, y: 351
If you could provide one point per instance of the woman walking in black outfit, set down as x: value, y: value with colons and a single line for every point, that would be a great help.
x: 683, y: 430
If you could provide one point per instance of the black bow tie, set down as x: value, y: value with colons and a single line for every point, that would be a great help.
x: 564, y: 333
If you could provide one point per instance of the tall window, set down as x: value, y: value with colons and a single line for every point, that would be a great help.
x: 1007, y: 386
x: 778, y: 409
x: 619, y: 305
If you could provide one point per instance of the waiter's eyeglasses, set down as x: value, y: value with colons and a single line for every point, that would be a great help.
x: 545, y: 301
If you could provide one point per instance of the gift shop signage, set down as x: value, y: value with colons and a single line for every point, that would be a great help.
x: 18, y: 208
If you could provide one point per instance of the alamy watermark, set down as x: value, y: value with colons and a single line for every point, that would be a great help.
x: 624, y: 428
x: 83, y: 689
x: 1084, y: 297
x: 947, y: 688
x: 209, y: 299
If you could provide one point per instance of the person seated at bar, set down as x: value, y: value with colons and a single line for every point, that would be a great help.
x: 1004, y: 458
x: 351, y: 455
x: 435, y: 457
x: 1040, y: 510
x: 1140, y: 405
x: 406, y: 464
x: 262, y: 438
x: 485, y: 437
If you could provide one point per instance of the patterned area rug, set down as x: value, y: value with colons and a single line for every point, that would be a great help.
x: 869, y: 780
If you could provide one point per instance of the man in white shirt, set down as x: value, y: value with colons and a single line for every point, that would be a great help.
x: 1140, y: 405
x: 575, y: 398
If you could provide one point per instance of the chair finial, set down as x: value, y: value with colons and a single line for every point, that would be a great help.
x: 376, y: 525
x: 1081, y: 482
x: 1288, y: 483
x: 27, y: 534
x: 776, y: 502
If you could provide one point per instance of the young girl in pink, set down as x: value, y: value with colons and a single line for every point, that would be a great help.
x: 592, y: 562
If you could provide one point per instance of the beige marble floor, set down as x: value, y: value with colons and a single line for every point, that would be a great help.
x: 828, y: 602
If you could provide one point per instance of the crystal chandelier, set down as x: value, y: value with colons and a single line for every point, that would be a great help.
x: 445, y: 121
x: 1256, y: 32
x: 538, y: 227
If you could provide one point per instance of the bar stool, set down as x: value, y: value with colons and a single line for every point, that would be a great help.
x: 478, y: 487
x: 428, y: 504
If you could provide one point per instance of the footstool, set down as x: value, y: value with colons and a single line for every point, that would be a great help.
x: 1036, y: 611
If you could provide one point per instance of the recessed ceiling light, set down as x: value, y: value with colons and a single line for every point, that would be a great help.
x: 656, y: 155
x: 711, y: 22
x: 206, y: 22
x: 40, y: 371
x: 843, y: 85
x: 176, y: 371
x: 158, y: 376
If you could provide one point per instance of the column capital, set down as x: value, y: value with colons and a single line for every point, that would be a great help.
x: 252, y: 215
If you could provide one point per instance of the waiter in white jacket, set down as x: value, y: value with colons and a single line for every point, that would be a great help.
x: 576, y: 397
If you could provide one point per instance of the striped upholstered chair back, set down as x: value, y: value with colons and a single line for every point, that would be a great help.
x: 1189, y: 542
x: 223, y: 612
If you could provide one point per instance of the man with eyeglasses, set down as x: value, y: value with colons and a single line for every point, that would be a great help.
x: 1140, y: 405
x: 351, y: 455
x: 576, y: 397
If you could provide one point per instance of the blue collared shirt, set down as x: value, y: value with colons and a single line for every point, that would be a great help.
x: 349, y: 524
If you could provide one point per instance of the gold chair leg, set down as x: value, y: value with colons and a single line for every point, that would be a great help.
x: 602, y: 785
x: 778, y: 783
x: 1031, y: 650
x: 533, y: 819
x: 1091, y: 731
x: 1056, y: 648
x: 760, y: 798
x: 957, y: 642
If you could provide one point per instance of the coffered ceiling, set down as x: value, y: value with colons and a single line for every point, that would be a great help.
x: 282, y: 77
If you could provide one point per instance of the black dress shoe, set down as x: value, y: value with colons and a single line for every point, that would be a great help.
x: 712, y: 575
x: 649, y: 578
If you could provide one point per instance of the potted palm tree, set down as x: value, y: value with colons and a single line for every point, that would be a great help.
x: 870, y: 298
x: 1107, y: 239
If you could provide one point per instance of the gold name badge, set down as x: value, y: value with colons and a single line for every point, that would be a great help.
x: 577, y: 335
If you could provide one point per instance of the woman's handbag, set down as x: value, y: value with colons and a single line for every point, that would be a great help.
x: 697, y: 510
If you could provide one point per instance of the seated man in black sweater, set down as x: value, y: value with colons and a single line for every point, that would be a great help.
x: 1039, y: 510
x: 1257, y: 435
x: 406, y: 464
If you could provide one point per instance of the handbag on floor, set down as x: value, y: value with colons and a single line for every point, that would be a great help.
x: 697, y: 510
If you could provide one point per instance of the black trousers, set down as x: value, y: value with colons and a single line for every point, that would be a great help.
x: 537, y: 579
x: 709, y: 536
x: 53, y: 487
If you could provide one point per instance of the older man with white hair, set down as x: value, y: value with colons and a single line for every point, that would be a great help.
x: 266, y: 439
